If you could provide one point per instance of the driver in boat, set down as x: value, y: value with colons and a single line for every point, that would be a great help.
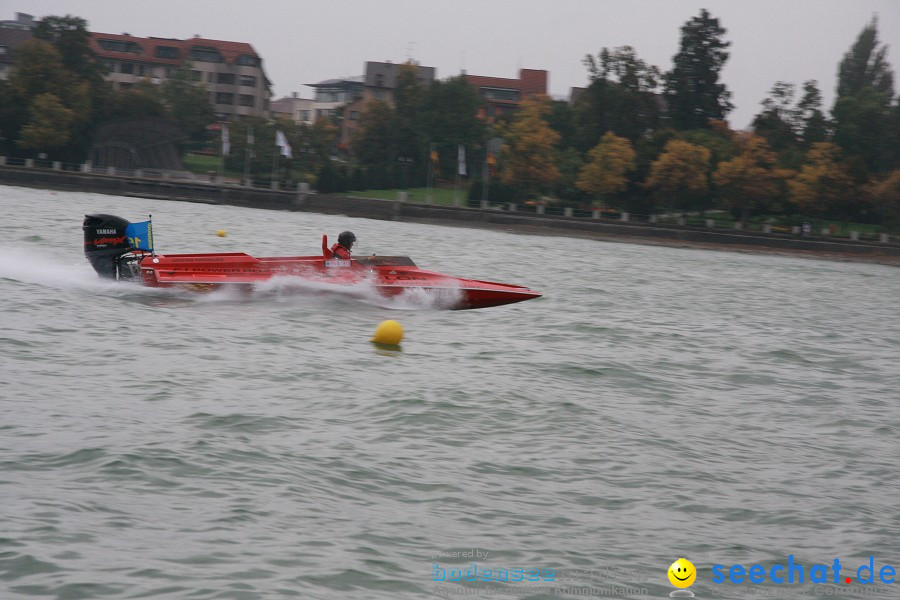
x: 344, y: 245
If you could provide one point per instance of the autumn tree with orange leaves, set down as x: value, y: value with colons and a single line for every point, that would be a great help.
x: 750, y: 180
x: 529, y: 152
x: 680, y: 176
x: 610, y: 161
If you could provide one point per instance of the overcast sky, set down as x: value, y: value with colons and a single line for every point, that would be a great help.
x: 304, y: 42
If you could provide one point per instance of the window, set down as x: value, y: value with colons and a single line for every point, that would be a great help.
x: 120, y: 46
x: 127, y: 68
x: 379, y: 94
x: 246, y: 100
x: 197, y: 75
x: 224, y: 98
x: 166, y: 52
x: 206, y: 54
x: 3, y: 50
x: 227, y: 78
x: 499, y: 94
x: 110, y: 66
x: 246, y: 60
x: 354, y: 115
x: 304, y: 115
x: 248, y: 80
x: 142, y: 70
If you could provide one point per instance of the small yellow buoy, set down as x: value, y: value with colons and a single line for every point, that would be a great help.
x: 221, y: 233
x: 389, y: 333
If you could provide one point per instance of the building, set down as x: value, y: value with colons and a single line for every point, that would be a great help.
x: 293, y: 108
x: 502, y: 96
x: 346, y: 98
x: 22, y: 22
x: 12, y: 35
x: 231, y: 71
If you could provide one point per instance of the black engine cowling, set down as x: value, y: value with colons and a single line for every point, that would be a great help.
x: 105, y: 243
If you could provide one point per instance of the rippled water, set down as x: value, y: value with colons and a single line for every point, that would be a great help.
x: 655, y: 403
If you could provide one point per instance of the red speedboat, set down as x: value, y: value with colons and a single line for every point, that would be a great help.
x: 113, y: 255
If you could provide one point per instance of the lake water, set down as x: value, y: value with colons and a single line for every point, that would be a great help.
x: 656, y: 403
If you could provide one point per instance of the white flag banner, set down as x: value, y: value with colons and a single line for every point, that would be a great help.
x: 282, y: 143
x: 226, y: 141
x: 462, y: 160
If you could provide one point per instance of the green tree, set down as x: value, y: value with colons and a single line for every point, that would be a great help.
x: 680, y: 176
x: 49, y: 125
x: 692, y: 89
x: 605, y: 174
x: 375, y: 144
x: 40, y: 72
x: 864, y: 66
x: 885, y: 194
x: 750, y: 181
x: 863, y: 115
x: 71, y: 37
x: 188, y: 103
x: 409, y: 102
x: 620, y: 98
x: 529, y: 160
x: 450, y: 115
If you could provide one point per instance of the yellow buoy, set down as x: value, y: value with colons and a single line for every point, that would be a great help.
x: 388, y: 332
x: 221, y: 233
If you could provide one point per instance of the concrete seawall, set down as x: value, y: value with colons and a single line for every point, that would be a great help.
x: 191, y: 191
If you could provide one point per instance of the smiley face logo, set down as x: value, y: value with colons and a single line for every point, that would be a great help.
x: 682, y: 573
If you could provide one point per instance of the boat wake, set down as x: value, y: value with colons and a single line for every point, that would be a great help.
x: 44, y: 269
x: 288, y: 287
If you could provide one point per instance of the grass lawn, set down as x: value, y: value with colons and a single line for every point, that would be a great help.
x: 440, y: 196
x: 202, y: 164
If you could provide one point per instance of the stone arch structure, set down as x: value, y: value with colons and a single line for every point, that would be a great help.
x: 140, y: 143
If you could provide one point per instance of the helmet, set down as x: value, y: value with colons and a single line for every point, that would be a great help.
x: 346, y: 239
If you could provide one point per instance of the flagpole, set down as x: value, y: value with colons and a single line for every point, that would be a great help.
x: 150, y: 228
x: 275, y: 165
x: 247, y: 152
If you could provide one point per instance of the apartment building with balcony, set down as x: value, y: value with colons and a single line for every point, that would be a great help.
x: 232, y: 72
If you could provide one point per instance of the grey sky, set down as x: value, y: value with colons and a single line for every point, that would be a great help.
x: 304, y: 42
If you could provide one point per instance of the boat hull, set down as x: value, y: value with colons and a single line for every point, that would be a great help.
x: 390, y: 276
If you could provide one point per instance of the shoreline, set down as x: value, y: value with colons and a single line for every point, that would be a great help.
x: 536, y: 229
x: 517, y: 222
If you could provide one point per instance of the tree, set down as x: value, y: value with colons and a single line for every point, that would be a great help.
x: 49, y: 125
x: 529, y: 161
x: 450, y: 119
x: 864, y: 66
x: 885, y: 196
x: 812, y: 120
x: 40, y: 73
x: 863, y: 105
x: 692, y: 89
x: 374, y: 143
x: 778, y: 122
x: 749, y: 181
x: 71, y: 37
x: 188, y: 103
x: 823, y: 187
x: 620, y: 98
x: 605, y: 172
x: 680, y: 176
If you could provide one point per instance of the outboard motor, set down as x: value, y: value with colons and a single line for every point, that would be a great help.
x: 105, y: 243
